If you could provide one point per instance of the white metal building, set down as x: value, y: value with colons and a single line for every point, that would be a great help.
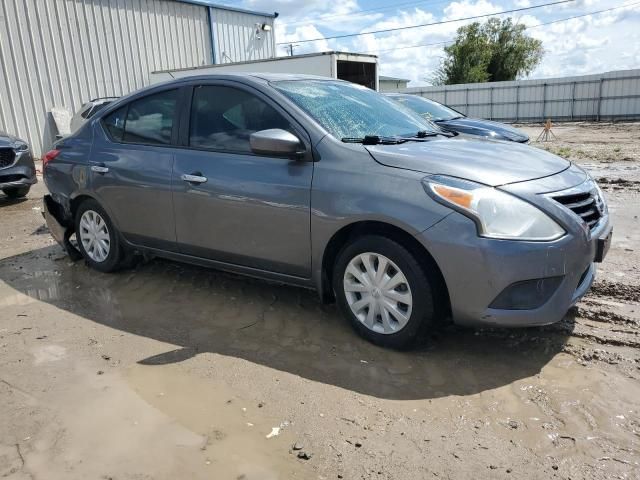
x: 62, y: 53
x: 393, y: 84
x: 360, y: 68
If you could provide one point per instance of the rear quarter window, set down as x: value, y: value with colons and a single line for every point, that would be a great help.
x: 94, y: 109
x: 114, y: 123
x: 148, y: 120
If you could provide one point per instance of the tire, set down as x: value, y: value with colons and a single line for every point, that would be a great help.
x: 414, y: 319
x: 92, y: 245
x: 17, y: 192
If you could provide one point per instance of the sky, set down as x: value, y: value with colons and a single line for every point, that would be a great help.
x: 592, y: 44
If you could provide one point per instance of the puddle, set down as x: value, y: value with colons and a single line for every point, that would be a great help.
x: 49, y: 353
x: 16, y: 299
x: 234, y: 430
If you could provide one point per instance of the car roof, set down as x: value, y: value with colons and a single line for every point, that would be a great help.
x: 274, y: 77
x: 252, y: 76
x: 256, y: 77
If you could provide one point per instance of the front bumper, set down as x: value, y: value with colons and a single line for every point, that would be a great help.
x: 476, y: 270
x: 20, y: 174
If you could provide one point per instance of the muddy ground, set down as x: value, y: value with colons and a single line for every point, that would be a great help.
x: 176, y: 372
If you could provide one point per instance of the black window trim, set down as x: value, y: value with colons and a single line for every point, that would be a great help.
x: 174, y: 127
x: 185, y: 119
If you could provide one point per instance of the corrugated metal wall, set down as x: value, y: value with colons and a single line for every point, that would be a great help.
x: 238, y: 38
x: 61, y: 53
x: 607, y: 96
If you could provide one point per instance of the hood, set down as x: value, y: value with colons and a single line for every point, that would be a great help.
x: 483, y: 161
x: 487, y: 128
x: 6, y: 140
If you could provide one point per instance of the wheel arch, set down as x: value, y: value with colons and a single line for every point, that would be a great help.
x: 75, y: 202
x: 80, y: 197
x: 350, y: 232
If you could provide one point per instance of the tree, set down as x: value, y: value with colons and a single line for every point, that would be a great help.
x: 495, y: 51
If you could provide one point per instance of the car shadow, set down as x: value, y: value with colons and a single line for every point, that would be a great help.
x: 285, y: 328
x: 5, y: 201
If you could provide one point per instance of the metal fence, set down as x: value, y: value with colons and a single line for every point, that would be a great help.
x: 608, y: 96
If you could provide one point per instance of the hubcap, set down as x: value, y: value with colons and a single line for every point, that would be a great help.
x: 94, y: 236
x: 378, y: 293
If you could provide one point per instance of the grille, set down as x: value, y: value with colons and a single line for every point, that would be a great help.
x: 587, y: 205
x: 7, y: 156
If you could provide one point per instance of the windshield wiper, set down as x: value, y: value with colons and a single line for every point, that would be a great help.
x: 375, y: 140
x: 427, y: 133
x: 421, y: 135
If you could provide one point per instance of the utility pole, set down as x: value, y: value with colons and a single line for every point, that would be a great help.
x: 290, y: 48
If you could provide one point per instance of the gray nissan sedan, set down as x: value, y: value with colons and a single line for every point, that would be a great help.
x: 328, y: 185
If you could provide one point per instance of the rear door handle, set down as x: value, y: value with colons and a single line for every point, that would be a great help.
x: 193, y: 178
x: 99, y: 169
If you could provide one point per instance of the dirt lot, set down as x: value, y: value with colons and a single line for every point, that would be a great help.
x: 175, y: 372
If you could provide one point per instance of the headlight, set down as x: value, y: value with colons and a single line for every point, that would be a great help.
x: 20, y: 146
x: 601, y: 202
x: 497, y: 214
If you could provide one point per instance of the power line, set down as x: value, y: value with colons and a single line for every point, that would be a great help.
x: 585, y: 15
x: 410, y: 46
x: 527, y: 28
x: 433, y: 23
x: 358, y: 13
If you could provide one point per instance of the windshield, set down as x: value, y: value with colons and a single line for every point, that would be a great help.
x: 347, y: 110
x: 427, y: 108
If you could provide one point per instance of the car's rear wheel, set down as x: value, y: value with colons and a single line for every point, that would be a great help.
x: 17, y: 192
x: 97, y: 238
x: 384, y: 291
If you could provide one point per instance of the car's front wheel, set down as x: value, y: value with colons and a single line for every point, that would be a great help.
x: 97, y: 238
x: 17, y: 192
x: 384, y: 291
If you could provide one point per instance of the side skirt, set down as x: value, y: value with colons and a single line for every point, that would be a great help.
x: 228, y: 267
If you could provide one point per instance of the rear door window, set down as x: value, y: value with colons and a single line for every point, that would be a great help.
x: 150, y: 119
x: 223, y: 118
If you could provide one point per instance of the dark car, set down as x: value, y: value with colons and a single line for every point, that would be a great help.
x: 451, y: 120
x: 329, y: 185
x: 17, y: 171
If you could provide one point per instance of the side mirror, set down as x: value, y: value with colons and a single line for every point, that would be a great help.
x: 277, y: 142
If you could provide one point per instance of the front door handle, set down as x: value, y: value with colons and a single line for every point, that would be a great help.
x: 193, y: 178
x: 101, y: 169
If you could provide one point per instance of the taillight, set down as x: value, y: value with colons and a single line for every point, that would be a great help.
x: 50, y: 155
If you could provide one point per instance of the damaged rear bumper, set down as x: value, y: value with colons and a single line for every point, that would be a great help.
x: 60, y: 227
